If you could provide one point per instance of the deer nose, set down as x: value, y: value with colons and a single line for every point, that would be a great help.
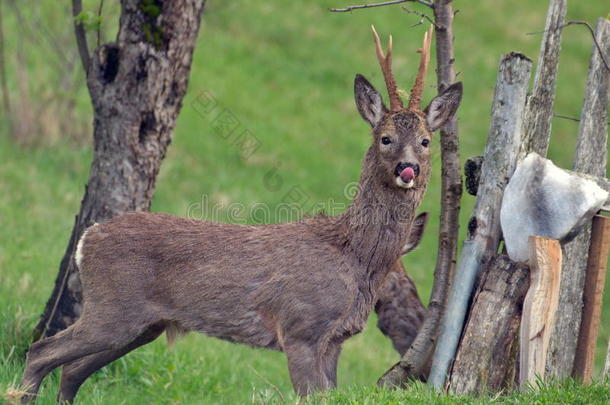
x: 402, y: 166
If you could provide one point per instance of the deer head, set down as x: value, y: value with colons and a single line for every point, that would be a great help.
x: 401, y: 135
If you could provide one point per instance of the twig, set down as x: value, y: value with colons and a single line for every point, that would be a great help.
x: 99, y: 17
x: 423, y: 17
x: 565, y: 117
x: 81, y: 38
x: 385, y: 3
x: 262, y: 377
x: 591, y: 31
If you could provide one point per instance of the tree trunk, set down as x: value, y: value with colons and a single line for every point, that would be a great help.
x: 136, y: 86
x: 416, y: 359
x: 484, y: 359
x: 590, y: 158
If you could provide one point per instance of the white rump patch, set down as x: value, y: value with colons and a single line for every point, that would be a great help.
x: 78, y: 255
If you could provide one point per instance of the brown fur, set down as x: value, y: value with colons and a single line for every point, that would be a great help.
x: 400, y: 312
x: 300, y: 287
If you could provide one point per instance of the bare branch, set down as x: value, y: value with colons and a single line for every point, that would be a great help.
x: 591, y: 31
x: 565, y: 117
x: 99, y: 16
x: 423, y: 17
x: 385, y: 3
x: 81, y: 38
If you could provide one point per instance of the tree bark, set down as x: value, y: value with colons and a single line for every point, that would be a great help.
x: 590, y: 158
x: 136, y: 86
x: 483, y: 361
x: 416, y: 359
x: 539, y: 108
x: 484, y: 232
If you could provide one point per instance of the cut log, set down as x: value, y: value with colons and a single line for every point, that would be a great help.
x: 539, y: 308
x: 593, y: 293
x: 539, y: 108
x: 590, y: 158
x: 501, y: 152
x: 483, y: 362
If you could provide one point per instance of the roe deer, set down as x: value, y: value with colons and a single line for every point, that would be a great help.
x: 300, y: 287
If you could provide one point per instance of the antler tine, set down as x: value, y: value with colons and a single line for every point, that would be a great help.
x: 385, y: 61
x: 418, y: 87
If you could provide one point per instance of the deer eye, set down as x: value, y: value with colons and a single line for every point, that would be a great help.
x: 386, y: 140
x: 425, y: 143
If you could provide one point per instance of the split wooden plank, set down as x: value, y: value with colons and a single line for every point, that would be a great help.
x: 539, y: 308
x: 485, y: 361
x: 590, y: 158
x: 593, y: 293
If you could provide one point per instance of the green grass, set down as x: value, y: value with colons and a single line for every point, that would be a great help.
x: 285, y: 70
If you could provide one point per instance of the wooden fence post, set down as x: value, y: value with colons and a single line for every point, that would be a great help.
x: 501, y: 152
x: 593, y: 293
x: 539, y: 107
x: 539, y: 307
x: 590, y: 158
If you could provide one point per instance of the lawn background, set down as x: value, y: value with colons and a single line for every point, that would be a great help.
x: 285, y: 70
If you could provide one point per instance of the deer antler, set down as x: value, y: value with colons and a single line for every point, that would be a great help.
x: 418, y: 87
x: 385, y: 61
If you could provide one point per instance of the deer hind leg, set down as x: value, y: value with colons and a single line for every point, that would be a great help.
x: 84, y: 337
x: 306, y: 367
x: 330, y: 362
x: 75, y: 373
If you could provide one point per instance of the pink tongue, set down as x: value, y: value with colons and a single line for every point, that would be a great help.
x: 407, y: 174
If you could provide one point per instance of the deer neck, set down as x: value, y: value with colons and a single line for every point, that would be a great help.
x: 378, y: 221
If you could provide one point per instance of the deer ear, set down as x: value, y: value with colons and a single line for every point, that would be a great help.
x: 368, y: 100
x: 417, y: 231
x: 442, y: 107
